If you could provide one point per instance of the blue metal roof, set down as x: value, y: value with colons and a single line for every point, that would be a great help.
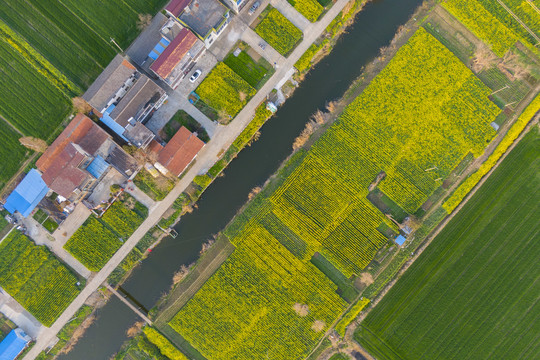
x: 97, y: 167
x: 27, y: 194
x: 159, y: 48
x: 113, y: 125
x: 400, y: 240
x: 13, y: 344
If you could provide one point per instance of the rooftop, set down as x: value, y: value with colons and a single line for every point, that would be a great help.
x: 144, y: 92
x: 81, y: 130
x: 13, y: 344
x: 174, y: 53
x: 175, y: 7
x: 139, y: 135
x: 204, y: 15
x: 27, y: 195
x: 109, y: 82
x: 64, y: 174
x: 180, y: 151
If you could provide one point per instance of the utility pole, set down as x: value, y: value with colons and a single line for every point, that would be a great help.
x: 115, y: 43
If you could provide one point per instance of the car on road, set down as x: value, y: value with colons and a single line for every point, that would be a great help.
x: 195, y: 75
x: 254, y: 7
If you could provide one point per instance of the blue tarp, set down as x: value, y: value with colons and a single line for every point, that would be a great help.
x: 400, y: 240
x: 159, y: 48
x: 27, y: 194
x: 13, y: 344
x: 97, y: 167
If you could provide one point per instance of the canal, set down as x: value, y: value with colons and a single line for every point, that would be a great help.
x: 374, y: 27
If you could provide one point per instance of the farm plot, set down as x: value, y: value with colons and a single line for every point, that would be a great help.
x: 225, y: 90
x: 415, y: 122
x: 30, y: 102
x: 12, y: 153
x: 311, y: 9
x: 253, y: 297
x: 35, y: 278
x: 279, y: 32
x: 489, y: 21
x: 381, y: 129
x: 254, y: 72
x: 94, y: 243
x: 473, y: 293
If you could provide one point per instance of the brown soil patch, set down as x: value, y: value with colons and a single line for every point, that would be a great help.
x: 318, y: 326
x: 366, y: 278
x: 301, y: 309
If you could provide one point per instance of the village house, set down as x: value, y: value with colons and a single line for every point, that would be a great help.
x: 179, y: 152
x: 79, y: 157
x: 178, y: 57
x: 124, y: 99
x: 206, y: 18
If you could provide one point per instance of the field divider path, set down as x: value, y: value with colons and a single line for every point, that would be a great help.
x: 519, y: 20
x: 209, y: 154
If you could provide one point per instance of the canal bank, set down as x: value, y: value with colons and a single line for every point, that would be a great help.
x: 374, y: 28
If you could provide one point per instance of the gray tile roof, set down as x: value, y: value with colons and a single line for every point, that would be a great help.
x: 109, y: 82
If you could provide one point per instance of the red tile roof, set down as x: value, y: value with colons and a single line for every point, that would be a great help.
x: 176, y: 7
x: 180, y: 151
x: 81, y: 130
x: 174, y: 53
x: 63, y: 176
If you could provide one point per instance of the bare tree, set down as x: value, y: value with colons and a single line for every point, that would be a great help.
x: 34, y: 144
x: 144, y: 21
x: 81, y: 105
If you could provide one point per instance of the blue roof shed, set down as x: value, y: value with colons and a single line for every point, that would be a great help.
x: 400, y: 240
x: 97, y: 167
x: 13, y: 344
x: 27, y: 194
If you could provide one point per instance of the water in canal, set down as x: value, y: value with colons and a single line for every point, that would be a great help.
x: 374, y: 28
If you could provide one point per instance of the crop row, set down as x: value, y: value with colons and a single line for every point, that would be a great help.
x: 31, y: 103
x: 253, y: 297
x: 164, y: 345
x: 35, y: 278
x: 93, y: 244
x: 311, y: 9
x: 96, y: 241
x: 508, y: 140
x: 279, y: 32
x: 11, y: 152
x: 490, y: 22
x: 225, y: 90
x: 415, y: 135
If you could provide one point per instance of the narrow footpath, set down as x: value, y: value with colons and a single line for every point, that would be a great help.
x: 208, y: 155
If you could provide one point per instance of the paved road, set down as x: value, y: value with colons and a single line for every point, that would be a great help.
x: 224, y: 136
x: 290, y: 13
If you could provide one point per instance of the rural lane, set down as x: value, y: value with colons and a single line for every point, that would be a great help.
x: 223, y: 137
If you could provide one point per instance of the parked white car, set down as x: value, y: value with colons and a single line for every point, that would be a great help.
x: 195, y: 75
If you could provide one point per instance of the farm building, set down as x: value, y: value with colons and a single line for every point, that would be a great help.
x: 81, y: 155
x: 27, y: 195
x: 13, y: 344
x: 206, y: 18
x: 179, y: 56
x: 125, y: 99
x: 400, y: 240
x: 179, y: 152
